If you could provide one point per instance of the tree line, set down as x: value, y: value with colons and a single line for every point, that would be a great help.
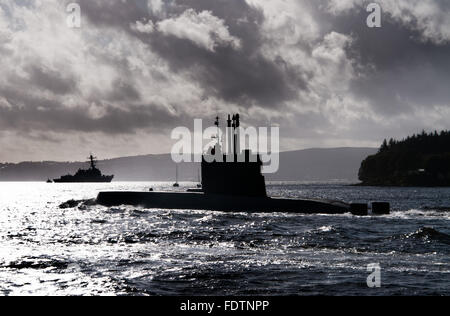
x: 418, y: 160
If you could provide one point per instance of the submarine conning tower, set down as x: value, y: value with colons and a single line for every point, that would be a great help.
x: 235, y: 172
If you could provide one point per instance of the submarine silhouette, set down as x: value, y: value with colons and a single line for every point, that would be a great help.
x: 236, y: 186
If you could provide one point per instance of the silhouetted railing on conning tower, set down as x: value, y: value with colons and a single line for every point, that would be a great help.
x: 242, y: 176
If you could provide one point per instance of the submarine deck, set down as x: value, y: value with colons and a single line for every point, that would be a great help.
x: 223, y: 203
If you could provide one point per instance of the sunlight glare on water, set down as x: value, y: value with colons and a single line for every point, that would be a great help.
x: 94, y: 250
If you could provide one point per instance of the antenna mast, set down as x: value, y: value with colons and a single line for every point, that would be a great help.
x: 217, y: 123
x: 92, y: 161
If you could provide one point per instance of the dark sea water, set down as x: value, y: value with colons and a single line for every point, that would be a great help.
x: 93, y: 250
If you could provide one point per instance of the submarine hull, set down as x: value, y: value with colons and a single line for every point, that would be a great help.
x: 223, y: 203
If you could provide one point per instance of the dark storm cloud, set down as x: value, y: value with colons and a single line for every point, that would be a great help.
x: 114, y: 13
x: 29, y: 112
x: 51, y: 80
x: 123, y: 91
x: 242, y: 76
x: 408, y: 70
x: 398, y: 69
x: 234, y: 76
x: 114, y: 121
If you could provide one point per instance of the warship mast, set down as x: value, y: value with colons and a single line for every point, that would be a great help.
x: 93, y: 161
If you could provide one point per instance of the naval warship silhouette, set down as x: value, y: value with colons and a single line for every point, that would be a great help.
x: 236, y: 186
x: 92, y: 175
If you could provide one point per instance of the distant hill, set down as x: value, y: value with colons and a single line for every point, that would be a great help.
x: 303, y: 165
x: 419, y: 160
x: 321, y: 164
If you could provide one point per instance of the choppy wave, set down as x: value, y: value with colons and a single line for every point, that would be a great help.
x: 37, y: 264
x: 429, y: 234
x: 56, y: 241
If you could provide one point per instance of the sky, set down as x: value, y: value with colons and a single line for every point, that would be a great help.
x: 137, y: 69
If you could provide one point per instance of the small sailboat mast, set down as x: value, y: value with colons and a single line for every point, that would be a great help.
x: 176, y: 184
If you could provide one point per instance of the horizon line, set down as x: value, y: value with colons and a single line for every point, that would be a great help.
x: 164, y: 154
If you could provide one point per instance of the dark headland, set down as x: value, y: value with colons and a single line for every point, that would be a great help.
x: 419, y: 160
